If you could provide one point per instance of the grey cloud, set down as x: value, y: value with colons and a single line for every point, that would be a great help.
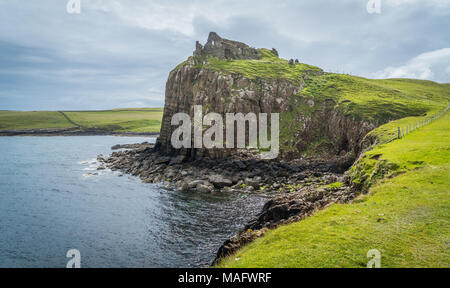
x: 118, y: 53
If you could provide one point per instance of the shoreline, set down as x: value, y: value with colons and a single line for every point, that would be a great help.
x: 72, y: 132
x: 297, y: 188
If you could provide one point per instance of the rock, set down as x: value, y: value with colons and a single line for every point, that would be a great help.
x: 227, y: 190
x: 177, y: 160
x: 240, y: 165
x: 225, y: 49
x: 170, y: 173
x: 275, y: 52
x: 183, y: 186
x: 193, y: 184
x: 238, y: 185
x: 204, y: 188
x: 101, y: 168
x: 253, y: 182
x: 162, y: 160
x: 301, y: 177
x: 219, y: 181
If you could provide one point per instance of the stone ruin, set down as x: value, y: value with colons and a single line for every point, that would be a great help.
x: 225, y: 49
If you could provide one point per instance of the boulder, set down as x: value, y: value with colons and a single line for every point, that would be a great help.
x: 162, y: 160
x: 219, y: 181
x: 177, y: 160
x: 204, y: 188
x: 253, y: 182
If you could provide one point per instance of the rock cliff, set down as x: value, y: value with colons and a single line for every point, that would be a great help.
x: 225, y: 76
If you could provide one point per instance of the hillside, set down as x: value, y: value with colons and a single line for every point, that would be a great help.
x: 321, y: 113
x: 328, y: 116
x: 405, y: 215
x: 139, y: 120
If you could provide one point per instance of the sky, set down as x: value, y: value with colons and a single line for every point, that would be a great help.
x: 118, y: 53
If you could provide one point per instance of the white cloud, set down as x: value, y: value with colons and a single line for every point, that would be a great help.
x: 434, y: 65
x: 175, y: 16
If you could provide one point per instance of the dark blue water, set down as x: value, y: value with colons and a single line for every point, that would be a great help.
x: 52, y: 201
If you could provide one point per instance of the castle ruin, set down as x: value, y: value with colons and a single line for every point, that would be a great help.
x: 225, y: 49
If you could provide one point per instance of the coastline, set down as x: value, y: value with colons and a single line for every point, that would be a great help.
x: 296, y: 188
x: 73, y: 132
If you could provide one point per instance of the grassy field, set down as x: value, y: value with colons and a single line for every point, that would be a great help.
x: 406, y: 215
x: 141, y: 120
x: 122, y: 120
x: 15, y: 120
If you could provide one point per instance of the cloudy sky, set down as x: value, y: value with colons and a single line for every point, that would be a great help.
x: 118, y: 53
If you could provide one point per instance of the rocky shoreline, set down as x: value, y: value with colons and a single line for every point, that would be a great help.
x: 298, y: 188
x: 72, y: 132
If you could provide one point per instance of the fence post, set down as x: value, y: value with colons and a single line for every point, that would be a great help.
x: 399, y: 133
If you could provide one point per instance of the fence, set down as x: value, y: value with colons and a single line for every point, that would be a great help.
x: 405, y: 130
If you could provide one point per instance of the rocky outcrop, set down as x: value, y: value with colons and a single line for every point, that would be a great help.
x: 326, y: 130
x: 219, y: 93
x: 240, y: 173
x: 225, y: 49
x: 196, y: 83
x: 284, y: 209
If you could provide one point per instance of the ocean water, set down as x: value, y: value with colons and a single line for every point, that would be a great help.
x: 52, y: 200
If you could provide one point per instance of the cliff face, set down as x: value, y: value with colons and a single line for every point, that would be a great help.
x: 218, y: 78
x: 219, y: 93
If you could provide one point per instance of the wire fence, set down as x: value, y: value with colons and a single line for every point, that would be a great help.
x: 405, y: 130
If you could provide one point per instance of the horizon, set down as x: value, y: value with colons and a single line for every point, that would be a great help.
x: 117, y: 54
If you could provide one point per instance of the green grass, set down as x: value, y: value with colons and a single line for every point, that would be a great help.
x: 122, y: 120
x: 14, y: 120
x: 405, y: 215
x: 141, y: 120
x: 373, y: 101
x: 268, y: 67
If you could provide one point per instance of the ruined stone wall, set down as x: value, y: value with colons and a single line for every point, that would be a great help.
x: 225, y: 49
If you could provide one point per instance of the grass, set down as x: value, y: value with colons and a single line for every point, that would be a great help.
x: 405, y: 215
x: 15, y: 120
x: 122, y: 120
x: 268, y: 67
x: 141, y: 120
x: 373, y: 101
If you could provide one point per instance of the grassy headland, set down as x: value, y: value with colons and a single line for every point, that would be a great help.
x: 373, y: 101
x: 138, y: 120
x: 405, y: 215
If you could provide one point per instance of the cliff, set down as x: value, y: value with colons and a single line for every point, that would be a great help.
x: 320, y: 113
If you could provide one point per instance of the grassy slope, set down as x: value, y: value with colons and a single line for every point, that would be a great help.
x: 123, y: 120
x: 375, y: 101
x: 406, y: 216
x: 268, y: 67
x: 14, y: 120
x: 120, y: 120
